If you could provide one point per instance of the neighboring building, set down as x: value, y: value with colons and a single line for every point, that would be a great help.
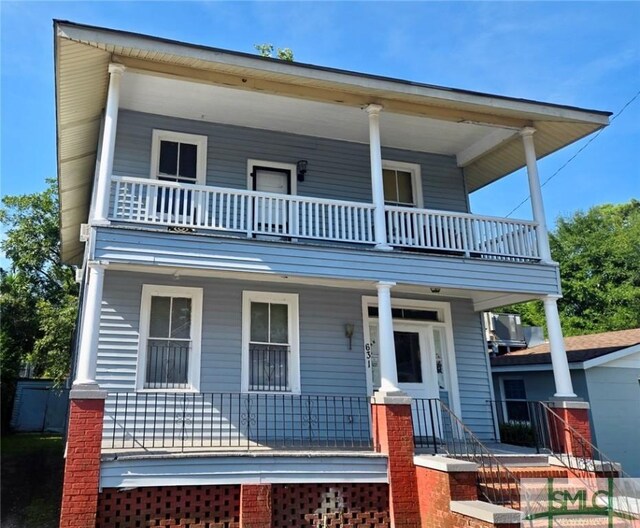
x: 605, y: 370
x: 264, y: 246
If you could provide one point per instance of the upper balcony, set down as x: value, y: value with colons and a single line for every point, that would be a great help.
x: 116, y: 92
x: 228, y: 211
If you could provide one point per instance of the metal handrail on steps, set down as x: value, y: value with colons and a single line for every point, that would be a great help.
x: 437, y: 428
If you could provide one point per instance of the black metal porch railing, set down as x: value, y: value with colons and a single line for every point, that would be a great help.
x: 438, y: 429
x: 521, y: 422
x: 269, y: 368
x: 181, y: 421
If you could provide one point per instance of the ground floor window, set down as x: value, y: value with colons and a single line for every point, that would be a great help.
x: 270, y: 342
x: 515, y: 400
x: 170, y: 335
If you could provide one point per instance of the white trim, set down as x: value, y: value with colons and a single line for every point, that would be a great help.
x: 446, y: 323
x: 533, y: 367
x: 416, y: 178
x: 181, y: 137
x: 292, y: 301
x: 195, y: 294
x: 276, y: 165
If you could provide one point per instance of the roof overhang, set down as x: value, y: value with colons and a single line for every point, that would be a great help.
x: 82, y: 54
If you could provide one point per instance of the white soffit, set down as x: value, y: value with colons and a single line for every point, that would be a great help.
x: 213, y: 103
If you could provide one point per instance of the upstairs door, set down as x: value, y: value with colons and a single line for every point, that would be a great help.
x: 270, y: 213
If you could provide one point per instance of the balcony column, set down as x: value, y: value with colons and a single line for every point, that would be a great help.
x: 377, y: 187
x: 90, y: 329
x: 536, y: 193
x: 108, y: 145
x: 561, y: 373
x: 386, y: 343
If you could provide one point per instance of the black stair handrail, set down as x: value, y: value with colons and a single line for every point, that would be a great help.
x: 496, y: 483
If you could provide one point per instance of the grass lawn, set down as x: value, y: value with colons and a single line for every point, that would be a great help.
x: 32, y: 467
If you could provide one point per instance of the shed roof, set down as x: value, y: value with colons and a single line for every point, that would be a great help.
x: 579, y: 348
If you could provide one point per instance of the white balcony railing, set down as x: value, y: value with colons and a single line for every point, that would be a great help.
x: 472, y: 235
x: 255, y: 213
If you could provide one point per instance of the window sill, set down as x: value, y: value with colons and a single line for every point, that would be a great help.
x: 190, y: 390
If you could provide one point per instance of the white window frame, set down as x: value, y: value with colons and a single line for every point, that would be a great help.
x: 181, y: 137
x: 251, y: 163
x: 445, y: 321
x: 292, y: 301
x: 193, y: 372
x: 416, y: 178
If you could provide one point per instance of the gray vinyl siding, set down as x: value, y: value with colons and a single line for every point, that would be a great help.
x: 337, y: 169
x: 540, y: 386
x: 615, y: 410
x: 149, y: 247
x: 327, y: 365
x: 238, y: 469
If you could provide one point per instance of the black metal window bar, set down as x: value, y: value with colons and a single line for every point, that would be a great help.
x: 186, y: 421
x: 437, y: 429
x: 167, y: 363
x: 269, y: 368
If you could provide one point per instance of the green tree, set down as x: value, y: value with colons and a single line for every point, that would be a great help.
x: 38, y: 293
x: 599, y: 256
x: 267, y: 50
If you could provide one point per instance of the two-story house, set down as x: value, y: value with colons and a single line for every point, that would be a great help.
x: 264, y: 247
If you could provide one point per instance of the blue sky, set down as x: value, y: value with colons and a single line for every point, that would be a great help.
x: 577, y: 53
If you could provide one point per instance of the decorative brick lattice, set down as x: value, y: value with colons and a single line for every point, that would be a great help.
x: 173, y: 507
x: 330, y: 506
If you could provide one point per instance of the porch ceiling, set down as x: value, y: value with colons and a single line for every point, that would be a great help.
x: 478, y: 128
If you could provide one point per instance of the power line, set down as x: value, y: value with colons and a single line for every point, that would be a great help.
x: 591, y: 140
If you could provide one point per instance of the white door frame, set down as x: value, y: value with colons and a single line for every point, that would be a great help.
x: 251, y: 163
x: 444, y: 309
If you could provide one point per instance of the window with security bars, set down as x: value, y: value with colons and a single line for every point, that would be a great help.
x: 169, y: 343
x: 269, y: 347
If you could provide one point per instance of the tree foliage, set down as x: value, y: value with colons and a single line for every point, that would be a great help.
x: 38, y: 292
x: 599, y: 256
x: 268, y: 50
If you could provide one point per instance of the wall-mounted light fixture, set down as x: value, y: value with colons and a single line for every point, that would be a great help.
x: 301, y: 168
x: 435, y: 290
x: 348, y: 332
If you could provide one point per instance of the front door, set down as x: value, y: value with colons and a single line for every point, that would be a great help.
x: 419, y: 368
x: 270, y: 214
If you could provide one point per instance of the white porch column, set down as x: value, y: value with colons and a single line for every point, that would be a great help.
x: 108, y: 144
x: 386, y: 343
x: 377, y: 188
x: 90, y: 330
x: 536, y: 193
x: 561, y: 373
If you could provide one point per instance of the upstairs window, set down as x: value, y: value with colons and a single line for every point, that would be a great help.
x: 401, y: 182
x: 179, y: 157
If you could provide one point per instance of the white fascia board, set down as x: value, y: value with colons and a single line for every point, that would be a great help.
x: 309, y: 71
x: 619, y: 354
x: 485, y: 145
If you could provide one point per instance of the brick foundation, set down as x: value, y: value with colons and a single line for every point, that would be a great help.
x: 393, y: 435
x: 255, y: 506
x: 171, y: 507
x: 436, y: 491
x: 82, y: 465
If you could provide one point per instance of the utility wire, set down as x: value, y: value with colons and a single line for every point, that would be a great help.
x: 591, y: 140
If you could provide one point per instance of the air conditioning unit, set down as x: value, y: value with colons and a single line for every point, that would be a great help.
x: 507, y: 328
x: 85, y: 232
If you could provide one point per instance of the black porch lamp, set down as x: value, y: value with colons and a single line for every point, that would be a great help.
x: 301, y: 168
